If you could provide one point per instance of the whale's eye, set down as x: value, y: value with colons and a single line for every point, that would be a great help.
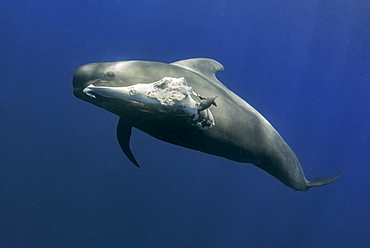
x: 109, y: 75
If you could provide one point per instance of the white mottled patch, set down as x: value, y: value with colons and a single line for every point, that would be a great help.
x: 169, y: 94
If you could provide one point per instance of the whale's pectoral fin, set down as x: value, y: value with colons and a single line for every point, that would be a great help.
x: 321, y: 181
x: 123, y: 135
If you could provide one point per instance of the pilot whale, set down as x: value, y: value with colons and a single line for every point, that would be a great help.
x: 183, y: 103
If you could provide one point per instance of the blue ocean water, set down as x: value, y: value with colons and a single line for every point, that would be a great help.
x: 64, y: 182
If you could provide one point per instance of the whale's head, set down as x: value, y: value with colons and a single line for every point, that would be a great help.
x: 130, y: 89
x: 101, y: 74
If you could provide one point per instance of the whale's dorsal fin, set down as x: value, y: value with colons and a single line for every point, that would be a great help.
x: 123, y: 135
x: 205, y: 67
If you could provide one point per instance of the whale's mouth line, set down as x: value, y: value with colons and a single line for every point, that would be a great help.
x: 87, y: 91
x: 167, y: 95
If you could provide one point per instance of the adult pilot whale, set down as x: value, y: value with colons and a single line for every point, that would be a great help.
x: 183, y: 103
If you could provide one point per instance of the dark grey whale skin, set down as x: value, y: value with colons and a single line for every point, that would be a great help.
x: 240, y: 133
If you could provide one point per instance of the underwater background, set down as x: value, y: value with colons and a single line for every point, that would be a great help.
x: 64, y: 182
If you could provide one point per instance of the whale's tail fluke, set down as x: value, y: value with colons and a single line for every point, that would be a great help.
x: 321, y: 181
